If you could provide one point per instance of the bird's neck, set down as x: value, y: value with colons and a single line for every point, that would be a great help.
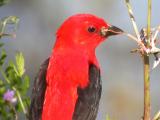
x: 82, y: 51
x: 68, y: 69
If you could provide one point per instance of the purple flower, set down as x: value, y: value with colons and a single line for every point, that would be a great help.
x: 9, y: 96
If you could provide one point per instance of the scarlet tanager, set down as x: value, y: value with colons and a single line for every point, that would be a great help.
x: 68, y: 85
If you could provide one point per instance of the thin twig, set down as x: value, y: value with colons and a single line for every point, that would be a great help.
x: 138, y: 42
x: 156, y: 33
x: 8, y: 35
x: 149, y: 23
x: 132, y: 37
x: 132, y: 19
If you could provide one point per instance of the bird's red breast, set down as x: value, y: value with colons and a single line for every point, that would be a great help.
x: 66, y: 72
x: 69, y: 64
x: 68, y: 67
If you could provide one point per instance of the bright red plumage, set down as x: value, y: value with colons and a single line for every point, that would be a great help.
x: 68, y: 86
x: 68, y: 66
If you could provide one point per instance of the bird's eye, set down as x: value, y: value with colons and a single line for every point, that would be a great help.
x: 91, y: 29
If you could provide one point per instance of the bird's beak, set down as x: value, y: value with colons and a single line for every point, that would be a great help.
x: 111, y: 30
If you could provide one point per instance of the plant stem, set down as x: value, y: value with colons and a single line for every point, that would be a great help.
x: 17, y: 92
x: 146, y: 88
x: 129, y: 8
x: 149, y: 22
x: 20, y: 100
x: 13, y: 110
x: 147, y: 99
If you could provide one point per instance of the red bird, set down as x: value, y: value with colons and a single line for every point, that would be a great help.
x: 68, y: 85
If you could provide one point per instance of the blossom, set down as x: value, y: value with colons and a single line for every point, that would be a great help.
x: 9, y: 96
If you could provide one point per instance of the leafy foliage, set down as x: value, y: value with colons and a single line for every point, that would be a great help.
x: 3, y: 2
x: 12, y: 77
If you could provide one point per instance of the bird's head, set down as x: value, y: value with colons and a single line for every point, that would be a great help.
x: 85, y: 30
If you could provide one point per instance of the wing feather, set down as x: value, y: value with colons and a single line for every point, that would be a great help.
x: 88, y: 99
x: 38, y: 93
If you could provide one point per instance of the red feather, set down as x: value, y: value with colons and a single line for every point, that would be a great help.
x: 69, y: 65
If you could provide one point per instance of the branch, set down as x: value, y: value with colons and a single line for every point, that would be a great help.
x: 132, y: 19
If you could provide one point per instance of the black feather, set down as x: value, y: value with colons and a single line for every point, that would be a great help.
x: 38, y: 93
x: 88, y: 98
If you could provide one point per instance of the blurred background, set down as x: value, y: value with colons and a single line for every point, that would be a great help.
x: 122, y: 72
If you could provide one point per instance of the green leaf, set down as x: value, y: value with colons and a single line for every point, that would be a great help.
x: 26, y: 84
x: 9, y: 69
x: 26, y: 81
x: 11, y: 74
x: 3, y: 2
x: 3, y: 57
x: 28, y: 102
x: 1, y: 44
x: 2, y: 87
x: 1, y: 83
x: 20, y: 64
x: 18, y: 107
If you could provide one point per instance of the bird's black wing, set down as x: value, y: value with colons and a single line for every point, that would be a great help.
x: 38, y: 93
x: 88, y: 98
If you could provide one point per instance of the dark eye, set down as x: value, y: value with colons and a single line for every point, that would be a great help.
x: 91, y: 29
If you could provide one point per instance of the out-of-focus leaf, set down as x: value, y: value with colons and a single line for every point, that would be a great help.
x: 25, y: 85
x: 2, y: 87
x: 20, y: 64
x: 107, y: 117
x: 27, y: 81
x: 8, y: 20
x: 18, y: 107
x: 3, y: 2
x: 3, y: 57
x: 13, y: 74
x: 1, y: 44
x: 27, y: 101
x: 9, y: 68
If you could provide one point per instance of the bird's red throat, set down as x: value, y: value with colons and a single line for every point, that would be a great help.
x: 67, y: 71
